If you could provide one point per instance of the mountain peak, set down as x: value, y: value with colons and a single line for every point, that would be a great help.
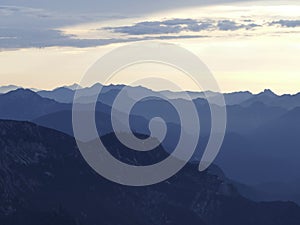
x: 59, y: 89
x: 96, y: 85
x: 21, y: 92
x: 21, y: 96
x: 73, y: 87
x: 268, y: 92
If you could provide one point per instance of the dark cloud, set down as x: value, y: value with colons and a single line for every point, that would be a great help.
x: 20, y: 17
x: 228, y: 25
x: 29, y: 38
x: 16, y: 38
x: 124, y: 7
x: 148, y: 28
x: 287, y: 23
x: 26, y: 26
x: 177, y: 21
x: 21, y: 37
x: 179, y: 25
x: 251, y: 25
x: 199, y: 26
x: 7, y: 10
x: 178, y: 37
x: 35, y: 23
x: 170, y: 26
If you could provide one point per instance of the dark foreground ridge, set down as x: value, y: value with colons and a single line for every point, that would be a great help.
x: 44, y: 180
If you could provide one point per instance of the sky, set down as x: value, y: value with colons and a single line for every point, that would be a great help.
x: 247, y: 45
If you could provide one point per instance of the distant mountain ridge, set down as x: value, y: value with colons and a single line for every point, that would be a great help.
x: 244, y: 98
x: 65, y: 94
x: 8, y: 88
x: 24, y: 104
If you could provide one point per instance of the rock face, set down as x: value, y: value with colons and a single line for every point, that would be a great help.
x: 44, y: 180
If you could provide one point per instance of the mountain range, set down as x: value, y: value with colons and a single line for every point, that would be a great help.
x: 260, y: 146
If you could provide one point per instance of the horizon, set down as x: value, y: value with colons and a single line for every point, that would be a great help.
x: 35, y: 89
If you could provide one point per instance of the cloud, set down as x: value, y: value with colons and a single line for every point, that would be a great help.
x: 229, y: 25
x: 287, y: 23
x: 30, y: 38
x: 20, y: 17
x: 147, y: 27
x: 200, y: 26
x: 9, y: 10
x: 24, y: 26
x: 172, y: 26
x: 103, y: 7
x: 39, y: 38
x: 177, y: 21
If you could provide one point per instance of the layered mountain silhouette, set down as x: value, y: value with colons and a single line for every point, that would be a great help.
x: 8, y: 88
x: 24, y: 104
x: 45, y: 180
x: 260, y: 146
x: 269, y: 98
x: 65, y: 94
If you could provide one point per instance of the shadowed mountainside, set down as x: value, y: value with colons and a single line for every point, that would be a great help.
x: 41, y: 169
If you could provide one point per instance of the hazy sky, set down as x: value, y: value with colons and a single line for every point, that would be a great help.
x: 248, y: 45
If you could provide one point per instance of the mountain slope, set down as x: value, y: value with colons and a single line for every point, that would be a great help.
x: 42, y: 169
x: 24, y: 104
x: 62, y: 94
